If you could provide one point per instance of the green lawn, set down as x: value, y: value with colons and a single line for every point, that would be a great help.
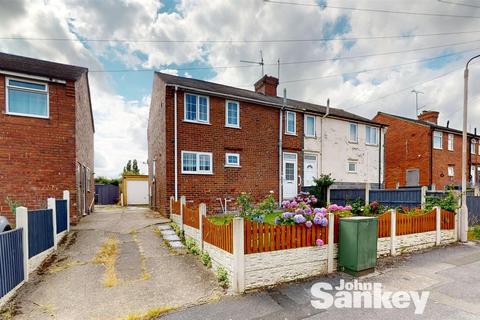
x: 226, y: 218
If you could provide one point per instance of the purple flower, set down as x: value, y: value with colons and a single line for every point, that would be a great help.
x: 293, y: 204
x: 277, y: 220
x: 308, y: 224
x: 317, y: 220
x: 324, y: 222
x: 299, y: 211
x: 298, y: 218
x: 314, y: 200
x: 316, y: 210
x: 308, y: 211
x: 319, y: 242
x: 341, y: 208
x: 287, y: 215
x: 332, y: 208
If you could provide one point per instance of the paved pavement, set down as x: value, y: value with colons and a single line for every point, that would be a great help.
x: 149, y: 274
x: 451, y: 275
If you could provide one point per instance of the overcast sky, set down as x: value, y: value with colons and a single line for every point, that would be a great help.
x: 121, y: 99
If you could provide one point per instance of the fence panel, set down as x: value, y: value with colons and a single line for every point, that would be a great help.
x: 384, y: 225
x: 62, y: 212
x: 176, y: 207
x: 11, y: 260
x: 106, y: 194
x: 407, y: 224
x: 261, y: 237
x: 447, y: 221
x: 220, y: 236
x: 190, y: 216
x: 343, y: 196
x: 473, y: 204
x: 410, y: 198
x: 40, y: 231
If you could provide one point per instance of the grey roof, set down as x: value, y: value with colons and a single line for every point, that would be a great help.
x: 261, y: 98
x: 428, y: 124
x: 14, y: 63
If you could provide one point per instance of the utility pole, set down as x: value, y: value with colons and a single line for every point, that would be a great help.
x: 416, y: 100
x: 464, y: 216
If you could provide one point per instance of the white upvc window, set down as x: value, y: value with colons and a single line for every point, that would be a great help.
x: 352, y: 166
x: 290, y: 122
x: 232, y: 114
x: 196, y: 108
x: 437, y: 140
x: 27, y: 98
x: 371, y: 135
x: 197, y: 162
x: 451, y: 171
x: 310, y: 126
x: 353, y: 133
x: 232, y: 160
x: 472, y: 146
x: 451, y: 138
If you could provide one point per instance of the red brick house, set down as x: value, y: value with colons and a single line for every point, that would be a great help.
x: 420, y: 152
x: 209, y: 141
x: 46, y: 134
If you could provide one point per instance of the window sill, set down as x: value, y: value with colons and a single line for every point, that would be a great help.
x: 310, y: 137
x: 437, y: 148
x: 350, y: 172
x: 26, y: 115
x: 232, y: 126
x: 199, y: 173
x: 197, y: 122
x: 290, y: 134
x: 231, y: 166
x: 371, y: 144
x: 352, y: 142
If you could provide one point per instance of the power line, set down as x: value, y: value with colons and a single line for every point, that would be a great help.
x: 327, y: 6
x: 459, y: 4
x: 232, y: 41
x: 291, y: 62
x: 380, y: 68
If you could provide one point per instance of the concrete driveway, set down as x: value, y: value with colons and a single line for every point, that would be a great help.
x: 147, y: 274
x: 451, y: 275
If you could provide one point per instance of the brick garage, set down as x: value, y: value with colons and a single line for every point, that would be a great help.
x: 40, y: 156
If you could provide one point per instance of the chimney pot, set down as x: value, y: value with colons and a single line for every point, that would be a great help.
x: 429, y: 116
x: 267, y: 85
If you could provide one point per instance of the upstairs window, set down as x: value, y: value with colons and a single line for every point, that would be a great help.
x: 450, y: 141
x: 352, y: 167
x: 290, y: 119
x: 472, y: 146
x: 232, y: 112
x: 353, y: 132
x: 196, y: 108
x: 310, y: 126
x: 196, y: 162
x: 27, y: 98
x: 451, y: 171
x: 437, y: 140
x: 371, y: 135
x: 232, y: 160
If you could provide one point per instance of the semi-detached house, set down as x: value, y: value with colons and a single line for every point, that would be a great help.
x: 46, y: 134
x: 209, y: 142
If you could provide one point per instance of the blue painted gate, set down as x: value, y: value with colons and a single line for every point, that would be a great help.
x: 11, y: 260
x: 40, y: 231
x: 62, y: 212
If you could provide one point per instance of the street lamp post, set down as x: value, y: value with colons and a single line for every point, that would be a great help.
x: 464, y: 216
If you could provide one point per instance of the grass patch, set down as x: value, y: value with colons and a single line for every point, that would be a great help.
x: 222, y: 219
x: 474, y: 233
x: 107, y: 256
x: 63, y: 265
x: 150, y: 314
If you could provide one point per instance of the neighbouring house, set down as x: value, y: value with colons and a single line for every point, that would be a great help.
x: 135, y: 190
x: 46, y: 134
x: 420, y: 152
x: 210, y: 142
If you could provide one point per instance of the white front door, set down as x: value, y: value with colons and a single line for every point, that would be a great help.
x: 310, y: 169
x: 289, y: 175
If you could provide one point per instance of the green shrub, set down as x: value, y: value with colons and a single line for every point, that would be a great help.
x: 12, y: 204
x: 358, y: 206
x: 192, y: 246
x: 319, y: 190
x: 244, y: 201
x: 449, y: 202
x: 222, y: 277
x: 206, y: 260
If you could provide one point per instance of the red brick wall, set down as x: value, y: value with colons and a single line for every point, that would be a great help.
x: 443, y: 158
x: 38, y: 155
x: 256, y: 142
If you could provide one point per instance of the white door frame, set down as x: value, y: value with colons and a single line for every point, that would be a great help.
x: 291, y: 184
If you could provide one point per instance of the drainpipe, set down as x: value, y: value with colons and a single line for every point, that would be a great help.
x: 380, y: 158
x: 321, y: 134
x: 280, y: 149
x: 175, y: 129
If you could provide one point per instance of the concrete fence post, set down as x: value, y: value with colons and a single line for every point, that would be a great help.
x: 21, y: 214
x: 202, y: 212
x: 423, y: 196
x: 66, y: 196
x: 455, y: 228
x: 328, y: 195
x: 238, y: 274
x: 51, y: 205
x: 476, y: 191
x: 331, y: 240
x: 367, y: 193
x: 183, y: 202
x: 393, y: 232
x: 438, y: 228
x: 172, y: 198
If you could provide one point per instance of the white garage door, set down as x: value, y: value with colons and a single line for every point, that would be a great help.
x: 137, y: 192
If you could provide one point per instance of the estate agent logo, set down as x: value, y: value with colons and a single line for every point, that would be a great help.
x: 365, y: 295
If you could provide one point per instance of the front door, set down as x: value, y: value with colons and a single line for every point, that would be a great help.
x: 310, y: 169
x: 289, y: 175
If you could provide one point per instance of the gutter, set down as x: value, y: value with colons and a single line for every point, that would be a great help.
x: 175, y: 142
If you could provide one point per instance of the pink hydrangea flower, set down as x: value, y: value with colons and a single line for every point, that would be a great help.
x: 348, y: 207
x: 319, y: 242
x: 308, y: 224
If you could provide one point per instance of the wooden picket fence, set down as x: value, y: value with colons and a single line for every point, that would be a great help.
x: 190, y: 216
x: 415, y: 224
x: 220, y: 236
x: 176, y: 207
x: 447, y: 220
x: 384, y: 225
x: 260, y: 237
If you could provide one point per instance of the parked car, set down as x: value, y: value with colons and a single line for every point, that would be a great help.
x: 4, y: 224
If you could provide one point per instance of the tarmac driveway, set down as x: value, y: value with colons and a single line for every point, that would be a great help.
x: 143, y: 275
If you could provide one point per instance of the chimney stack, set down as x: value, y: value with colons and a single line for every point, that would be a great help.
x: 267, y: 85
x: 430, y: 116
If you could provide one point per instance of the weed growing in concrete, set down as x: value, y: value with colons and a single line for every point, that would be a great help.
x: 150, y: 314
x: 192, y: 246
x: 206, y: 260
x: 222, y: 277
x: 107, y: 256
